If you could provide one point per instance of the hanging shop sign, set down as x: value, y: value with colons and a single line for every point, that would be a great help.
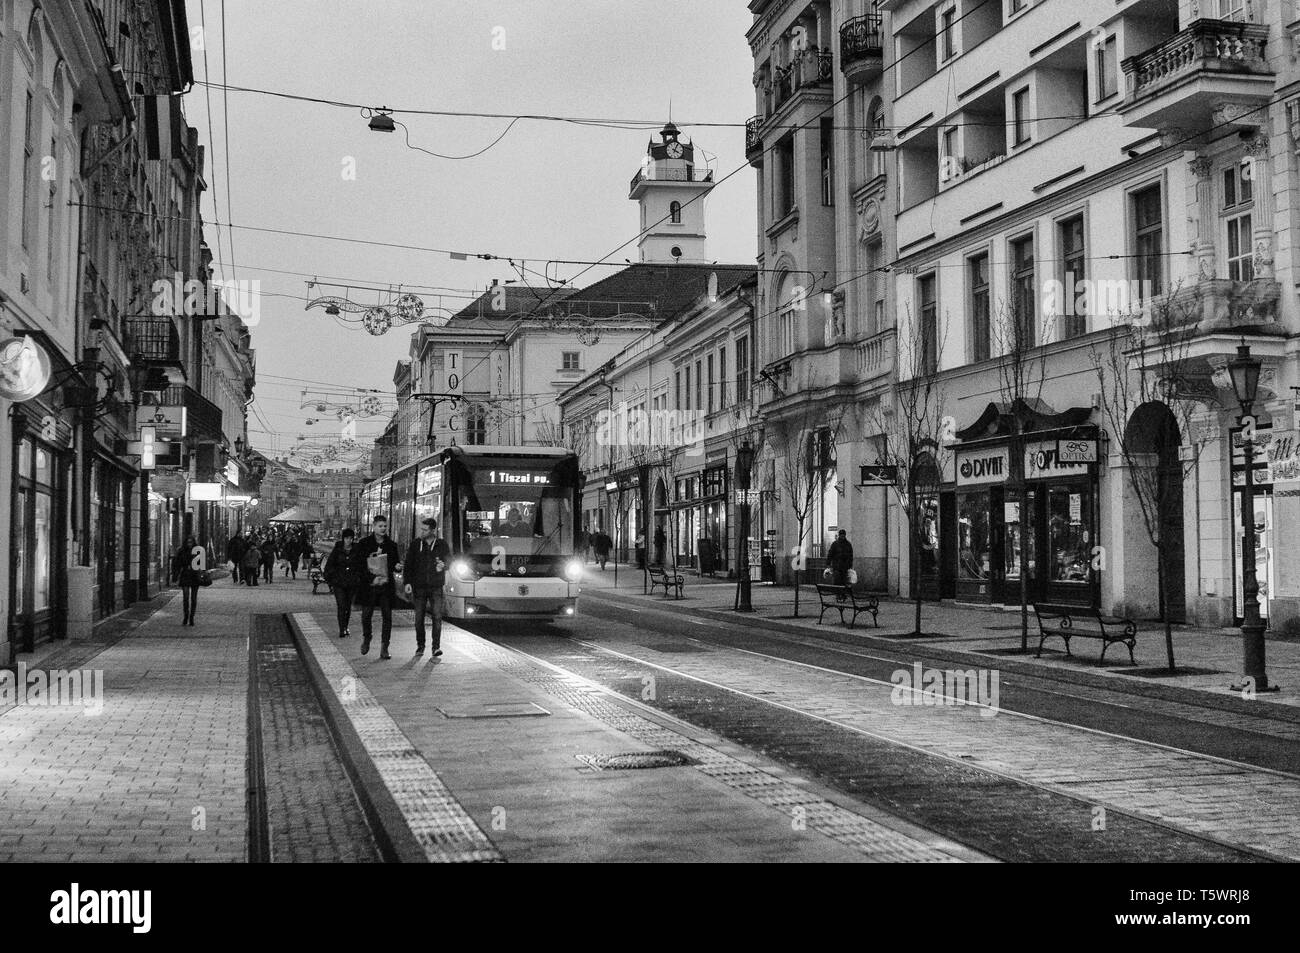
x: 204, y: 492
x: 877, y: 476
x: 1076, y: 451
x: 24, y: 369
x: 986, y: 465
x: 1042, y: 462
x: 1283, y: 457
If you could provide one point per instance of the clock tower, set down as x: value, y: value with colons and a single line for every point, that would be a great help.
x: 671, y: 190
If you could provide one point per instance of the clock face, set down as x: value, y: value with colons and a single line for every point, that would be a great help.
x: 674, y: 149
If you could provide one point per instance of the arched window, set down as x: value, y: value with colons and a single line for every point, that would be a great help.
x: 675, y: 213
x: 59, y: 91
x: 34, y: 37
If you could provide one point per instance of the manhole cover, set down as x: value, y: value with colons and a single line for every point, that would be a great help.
x: 498, y: 710
x: 634, y: 760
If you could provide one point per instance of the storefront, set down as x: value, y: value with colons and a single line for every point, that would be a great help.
x: 39, y: 515
x: 980, y: 543
x: 110, y: 501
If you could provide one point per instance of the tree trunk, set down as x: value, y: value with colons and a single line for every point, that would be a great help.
x: 1161, y: 572
x: 798, y: 574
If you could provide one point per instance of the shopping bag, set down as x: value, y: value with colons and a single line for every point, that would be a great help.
x: 377, y: 564
x: 827, y: 575
x: 853, y: 577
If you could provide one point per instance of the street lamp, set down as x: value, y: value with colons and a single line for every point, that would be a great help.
x: 744, y: 464
x: 1244, y: 371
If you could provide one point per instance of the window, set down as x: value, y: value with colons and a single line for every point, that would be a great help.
x: 1238, y: 188
x: 877, y: 133
x: 1148, y: 231
x: 570, y: 361
x: 675, y: 213
x: 1071, y: 245
x: 722, y: 377
x: 29, y: 190
x: 1024, y: 300
x: 946, y: 21
x: 785, y: 343
x: 828, y: 160
x: 979, y: 307
x: 476, y: 425
x: 742, y: 368
x: 929, y: 325
x: 1233, y: 10
x: 783, y: 182
x: 688, y: 387
x: 699, y: 386
x: 709, y: 365
x: 1020, y: 116
x: 1107, y: 72
x: 677, y: 386
x: 949, y: 166
x: 1241, y: 265
x: 50, y: 246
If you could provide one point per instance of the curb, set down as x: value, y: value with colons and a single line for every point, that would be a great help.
x: 862, y: 637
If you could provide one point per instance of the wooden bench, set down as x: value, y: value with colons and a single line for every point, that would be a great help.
x: 1061, y: 620
x: 844, y: 599
x: 661, y: 577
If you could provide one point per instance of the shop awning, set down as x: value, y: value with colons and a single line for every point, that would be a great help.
x: 296, y: 514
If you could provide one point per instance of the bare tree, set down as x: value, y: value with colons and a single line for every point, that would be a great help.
x: 1145, y: 363
x: 1018, y: 338
x: 915, y: 440
x: 810, y: 440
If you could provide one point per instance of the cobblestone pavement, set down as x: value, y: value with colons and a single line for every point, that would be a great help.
x: 1017, y: 787
x: 312, y: 811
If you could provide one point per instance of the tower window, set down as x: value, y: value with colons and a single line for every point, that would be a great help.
x: 675, y: 213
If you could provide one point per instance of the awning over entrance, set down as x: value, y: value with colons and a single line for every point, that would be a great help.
x: 296, y: 514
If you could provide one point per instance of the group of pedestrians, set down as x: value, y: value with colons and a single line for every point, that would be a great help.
x: 255, y: 556
x: 363, y: 573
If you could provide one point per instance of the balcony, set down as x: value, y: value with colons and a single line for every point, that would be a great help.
x: 875, y: 355
x: 754, y: 140
x: 811, y: 68
x: 862, y: 42
x: 652, y: 174
x: 1214, y: 72
x: 203, y: 417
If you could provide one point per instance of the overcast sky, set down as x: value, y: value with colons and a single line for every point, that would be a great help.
x: 546, y: 191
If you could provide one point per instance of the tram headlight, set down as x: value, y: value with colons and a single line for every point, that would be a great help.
x: 462, y: 571
x: 574, y: 570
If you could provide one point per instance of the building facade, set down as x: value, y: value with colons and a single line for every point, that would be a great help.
x: 1070, y: 175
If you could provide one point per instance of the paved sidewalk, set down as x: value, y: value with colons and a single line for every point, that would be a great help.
x: 481, y: 752
x: 988, y: 630
x: 159, y: 773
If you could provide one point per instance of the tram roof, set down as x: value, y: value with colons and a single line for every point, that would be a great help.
x: 477, y: 450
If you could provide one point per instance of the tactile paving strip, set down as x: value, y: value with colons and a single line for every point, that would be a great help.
x: 441, y: 826
x: 876, y: 841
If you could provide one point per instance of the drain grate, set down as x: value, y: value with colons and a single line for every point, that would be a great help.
x: 635, y: 760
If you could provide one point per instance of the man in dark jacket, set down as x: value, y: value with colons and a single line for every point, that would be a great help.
x: 424, y: 573
x: 235, y: 554
x: 290, y: 552
x: 268, y: 560
x: 601, y: 544
x: 839, y: 558
x: 342, y: 579
x: 376, y: 589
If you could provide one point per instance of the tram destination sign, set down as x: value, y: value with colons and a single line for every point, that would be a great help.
x: 517, y: 478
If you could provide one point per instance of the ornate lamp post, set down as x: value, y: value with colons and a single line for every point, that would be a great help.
x: 744, y: 464
x: 1244, y: 370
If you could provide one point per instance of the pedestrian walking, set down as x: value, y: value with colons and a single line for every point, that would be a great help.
x: 268, y: 560
x: 661, y: 543
x: 601, y: 544
x: 424, y: 574
x: 640, y: 550
x: 291, y: 554
x: 343, y: 579
x: 582, y: 544
x: 235, y: 556
x: 252, y: 561
x: 375, y: 559
x: 187, y: 567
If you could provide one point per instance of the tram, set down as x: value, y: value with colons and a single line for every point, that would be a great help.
x: 510, y: 517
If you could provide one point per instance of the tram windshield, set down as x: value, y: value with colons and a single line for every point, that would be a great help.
x: 525, y: 508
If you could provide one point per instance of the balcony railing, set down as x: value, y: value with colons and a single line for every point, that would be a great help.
x: 753, y: 141
x: 861, y: 39
x: 810, y: 68
x: 203, y: 416
x: 153, y: 340
x: 687, y: 174
x: 1212, y: 46
x: 875, y: 354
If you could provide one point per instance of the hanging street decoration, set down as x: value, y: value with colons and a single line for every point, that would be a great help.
x: 402, y: 308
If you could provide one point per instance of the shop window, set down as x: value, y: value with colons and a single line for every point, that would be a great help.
x: 1068, y: 536
x: 974, y: 542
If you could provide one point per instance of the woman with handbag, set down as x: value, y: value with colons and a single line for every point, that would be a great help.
x: 189, y: 566
x: 343, y: 580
